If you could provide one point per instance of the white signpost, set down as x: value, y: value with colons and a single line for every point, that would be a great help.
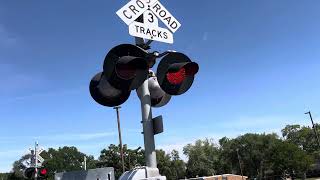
x: 152, y: 10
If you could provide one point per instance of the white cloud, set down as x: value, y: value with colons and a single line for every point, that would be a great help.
x: 63, y: 137
x: 75, y: 137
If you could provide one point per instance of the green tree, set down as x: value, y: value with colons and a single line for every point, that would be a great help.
x: 203, y: 158
x: 303, y: 137
x: 9, y: 176
x: 170, y: 165
x: 110, y: 157
x: 65, y: 159
x: 164, y: 164
x: 178, y: 165
x: 288, y: 158
x: 252, y: 150
x: 262, y: 156
x: 19, y: 166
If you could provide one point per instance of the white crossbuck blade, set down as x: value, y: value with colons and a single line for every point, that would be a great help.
x: 135, y: 8
x: 40, y: 159
x: 151, y: 10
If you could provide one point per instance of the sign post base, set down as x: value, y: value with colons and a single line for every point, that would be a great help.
x: 142, y: 173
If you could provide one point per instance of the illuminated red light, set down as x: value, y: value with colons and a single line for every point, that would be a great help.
x: 176, y: 78
x: 43, y: 171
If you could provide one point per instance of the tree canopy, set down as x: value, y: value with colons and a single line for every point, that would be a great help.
x: 255, y: 155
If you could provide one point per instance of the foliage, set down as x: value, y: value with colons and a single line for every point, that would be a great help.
x: 203, y: 158
x: 9, y: 176
x: 304, y: 137
x: 289, y: 158
x: 111, y: 157
x: 250, y: 150
x: 56, y: 160
x: 170, y: 165
x: 19, y: 166
x: 258, y: 155
x: 65, y: 159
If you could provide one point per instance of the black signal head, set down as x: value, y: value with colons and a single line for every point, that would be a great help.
x: 105, y: 94
x: 126, y: 66
x: 29, y: 172
x: 176, y: 73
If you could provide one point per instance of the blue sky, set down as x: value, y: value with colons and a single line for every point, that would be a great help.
x: 259, y: 70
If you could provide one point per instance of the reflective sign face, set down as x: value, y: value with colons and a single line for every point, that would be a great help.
x: 152, y: 10
x: 150, y: 32
x: 150, y: 19
x: 135, y: 8
x: 165, y: 16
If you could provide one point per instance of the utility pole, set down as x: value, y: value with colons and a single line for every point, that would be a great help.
x: 36, y: 160
x: 314, y: 128
x: 240, y: 164
x: 120, y: 138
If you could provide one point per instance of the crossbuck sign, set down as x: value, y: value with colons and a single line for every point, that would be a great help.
x: 152, y: 10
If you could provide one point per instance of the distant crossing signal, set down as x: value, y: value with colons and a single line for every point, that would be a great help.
x: 42, y: 173
x: 29, y: 173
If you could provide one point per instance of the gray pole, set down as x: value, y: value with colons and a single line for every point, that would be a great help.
x: 149, y: 145
x: 148, y: 134
x: 120, y: 139
x: 36, y: 160
x: 314, y: 128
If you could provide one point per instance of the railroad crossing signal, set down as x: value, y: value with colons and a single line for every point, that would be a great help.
x: 35, y: 169
x: 127, y: 66
x: 176, y: 73
x: 36, y: 173
x: 152, y: 10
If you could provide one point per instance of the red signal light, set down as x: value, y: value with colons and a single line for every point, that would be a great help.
x: 176, y: 73
x: 43, y: 171
x: 176, y: 78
